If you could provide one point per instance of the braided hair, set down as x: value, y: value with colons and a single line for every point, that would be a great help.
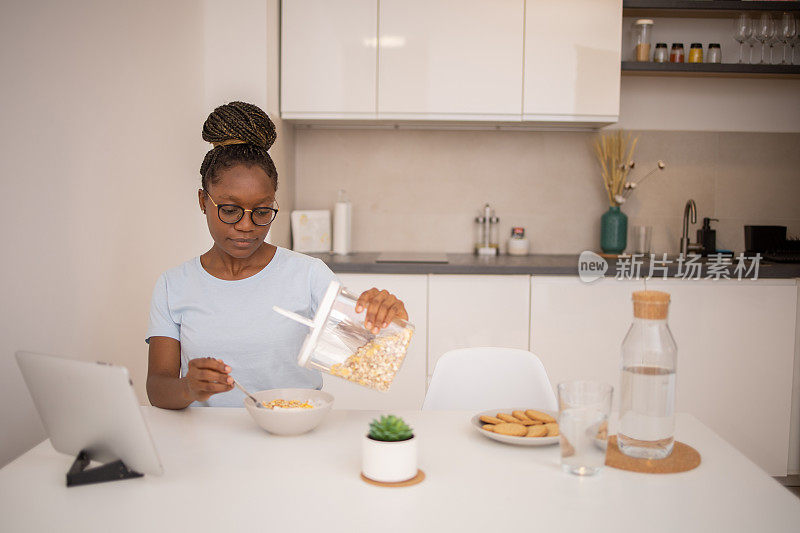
x: 241, y: 134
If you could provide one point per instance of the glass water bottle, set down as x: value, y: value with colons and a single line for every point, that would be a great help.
x: 647, y: 391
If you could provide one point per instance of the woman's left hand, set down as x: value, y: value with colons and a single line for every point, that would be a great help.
x: 382, y: 307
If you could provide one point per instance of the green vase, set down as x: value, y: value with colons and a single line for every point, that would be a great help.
x: 613, y: 231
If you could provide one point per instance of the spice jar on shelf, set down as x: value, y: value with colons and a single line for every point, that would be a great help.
x: 696, y: 53
x: 642, y: 35
x: 661, y: 54
x: 676, y: 53
x: 714, y: 53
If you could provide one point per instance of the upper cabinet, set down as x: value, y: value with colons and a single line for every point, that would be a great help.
x: 503, y: 61
x: 450, y: 59
x: 572, y: 58
x: 328, y: 58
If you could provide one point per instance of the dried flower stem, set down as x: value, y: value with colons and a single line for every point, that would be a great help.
x: 616, y: 161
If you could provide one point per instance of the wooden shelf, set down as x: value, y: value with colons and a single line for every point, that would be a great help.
x: 700, y: 8
x: 737, y: 70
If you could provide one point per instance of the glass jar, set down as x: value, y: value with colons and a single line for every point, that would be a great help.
x: 696, y: 53
x: 661, y: 55
x: 714, y: 53
x: 339, y: 344
x: 642, y: 35
x: 676, y: 53
x: 647, y: 390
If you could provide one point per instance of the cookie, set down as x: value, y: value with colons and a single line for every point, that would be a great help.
x: 538, y: 415
x: 552, y: 429
x: 536, y: 431
x: 524, y: 420
x: 490, y: 419
x: 488, y: 427
x: 512, y: 430
x: 507, y: 418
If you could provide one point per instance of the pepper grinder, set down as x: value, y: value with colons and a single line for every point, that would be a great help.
x: 486, y: 241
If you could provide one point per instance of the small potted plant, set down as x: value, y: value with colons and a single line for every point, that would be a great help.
x: 389, y: 451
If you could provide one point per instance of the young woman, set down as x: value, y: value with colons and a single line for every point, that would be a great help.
x: 211, y: 318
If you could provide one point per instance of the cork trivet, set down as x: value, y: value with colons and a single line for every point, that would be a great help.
x: 682, y: 459
x: 407, y: 483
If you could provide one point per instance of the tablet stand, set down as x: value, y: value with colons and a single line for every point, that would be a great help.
x: 79, y: 475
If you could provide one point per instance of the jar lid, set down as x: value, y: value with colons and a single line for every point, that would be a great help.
x: 644, y: 21
x: 713, y: 45
x: 697, y: 45
x: 677, y: 45
x: 518, y: 232
x: 651, y: 305
x: 323, y: 311
x: 661, y: 45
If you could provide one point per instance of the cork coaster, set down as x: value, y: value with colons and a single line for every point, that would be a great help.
x: 682, y: 459
x: 407, y: 483
x: 608, y: 256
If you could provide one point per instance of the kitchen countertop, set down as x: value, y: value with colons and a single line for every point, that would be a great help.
x: 535, y: 264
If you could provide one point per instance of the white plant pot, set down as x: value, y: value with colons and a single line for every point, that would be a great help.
x: 389, y: 462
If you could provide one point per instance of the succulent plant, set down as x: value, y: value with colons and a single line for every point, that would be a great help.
x: 389, y: 429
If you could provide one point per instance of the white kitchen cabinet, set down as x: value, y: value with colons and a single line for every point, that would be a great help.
x: 408, y: 389
x: 736, y: 343
x: 328, y: 58
x: 482, y: 310
x: 450, y: 59
x: 572, y: 60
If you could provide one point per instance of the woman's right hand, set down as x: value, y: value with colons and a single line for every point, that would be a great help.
x: 207, y: 376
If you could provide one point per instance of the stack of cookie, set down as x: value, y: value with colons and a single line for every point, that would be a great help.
x: 527, y: 423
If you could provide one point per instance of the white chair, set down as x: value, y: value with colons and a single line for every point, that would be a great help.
x: 476, y: 379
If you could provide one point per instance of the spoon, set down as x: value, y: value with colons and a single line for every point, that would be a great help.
x: 258, y: 404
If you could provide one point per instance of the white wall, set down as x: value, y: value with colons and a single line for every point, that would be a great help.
x: 103, y: 106
x: 709, y: 104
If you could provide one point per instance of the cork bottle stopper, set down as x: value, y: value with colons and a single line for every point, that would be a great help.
x: 652, y: 305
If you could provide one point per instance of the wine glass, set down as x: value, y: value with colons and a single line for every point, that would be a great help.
x: 743, y: 32
x: 751, y: 41
x: 786, y: 34
x: 796, y: 38
x: 765, y: 31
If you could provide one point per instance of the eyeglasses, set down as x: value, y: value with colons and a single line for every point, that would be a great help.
x: 232, y: 213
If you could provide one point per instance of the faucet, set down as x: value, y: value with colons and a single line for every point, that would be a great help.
x: 686, y: 246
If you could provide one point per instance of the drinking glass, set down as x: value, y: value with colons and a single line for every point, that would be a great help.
x: 583, y: 408
x: 642, y: 235
x: 743, y: 32
x: 786, y: 34
x: 765, y: 31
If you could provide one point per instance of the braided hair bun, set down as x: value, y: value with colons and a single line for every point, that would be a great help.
x: 241, y: 134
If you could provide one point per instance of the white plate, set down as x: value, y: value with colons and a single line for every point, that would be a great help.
x: 521, y: 441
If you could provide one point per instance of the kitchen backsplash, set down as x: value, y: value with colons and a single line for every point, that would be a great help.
x: 420, y: 190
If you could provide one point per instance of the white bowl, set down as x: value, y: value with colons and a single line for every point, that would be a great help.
x: 290, y: 421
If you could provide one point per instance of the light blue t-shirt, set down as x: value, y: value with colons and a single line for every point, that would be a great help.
x: 234, y: 321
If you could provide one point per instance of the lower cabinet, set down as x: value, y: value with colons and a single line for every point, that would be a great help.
x: 408, y: 389
x: 481, y: 310
x: 736, y: 344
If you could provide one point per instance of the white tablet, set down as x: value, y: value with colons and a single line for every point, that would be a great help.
x: 92, y: 407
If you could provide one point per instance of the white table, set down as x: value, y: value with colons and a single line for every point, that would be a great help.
x: 223, y: 473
